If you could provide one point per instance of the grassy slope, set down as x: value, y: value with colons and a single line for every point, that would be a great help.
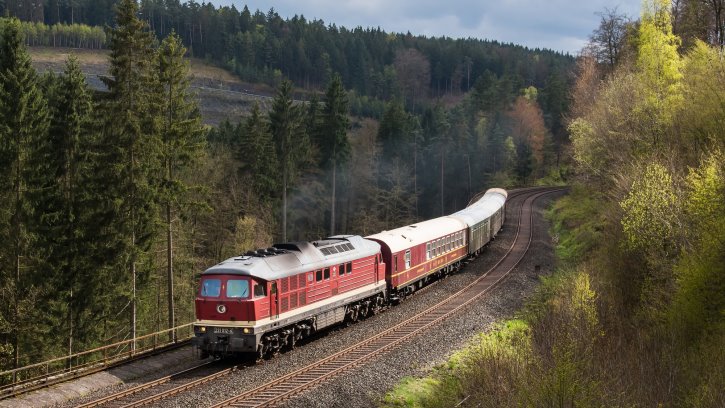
x: 221, y: 94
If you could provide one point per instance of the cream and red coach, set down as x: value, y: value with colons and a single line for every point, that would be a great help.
x: 417, y: 253
x: 268, y: 299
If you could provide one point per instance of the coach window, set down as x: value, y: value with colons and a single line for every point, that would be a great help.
x: 237, y: 288
x: 407, y: 259
x: 327, y: 273
x: 260, y: 290
x: 318, y: 275
x: 211, y: 287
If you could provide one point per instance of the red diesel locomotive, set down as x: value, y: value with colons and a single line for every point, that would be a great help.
x: 268, y: 299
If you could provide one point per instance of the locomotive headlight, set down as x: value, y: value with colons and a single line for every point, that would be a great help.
x: 221, y: 308
x: 247, y: 330
x: 202, y: 329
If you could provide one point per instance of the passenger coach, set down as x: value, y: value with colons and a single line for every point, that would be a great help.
x: 416, y: 253
x: 484, y: 218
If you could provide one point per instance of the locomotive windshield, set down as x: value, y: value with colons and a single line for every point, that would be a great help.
x: 211, y: 287
x: 237, y: 288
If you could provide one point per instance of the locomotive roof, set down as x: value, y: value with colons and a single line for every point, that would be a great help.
x: 420, y: 233
x: 292, y: 258
x: 484, y: 208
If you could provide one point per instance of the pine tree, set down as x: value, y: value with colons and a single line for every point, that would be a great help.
x: 182, y: 141
x: 291, y: 142
x: 131, y: 145
x: 23, y: 126
x: 334, y: 145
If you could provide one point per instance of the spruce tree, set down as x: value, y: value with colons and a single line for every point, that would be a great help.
x: 131, y: 146
x: 334, y: 146
x: 290, y: 138
x: 66, y: 222
x: 182, y: 141
x: 23, y: 127
x: 258, y: 157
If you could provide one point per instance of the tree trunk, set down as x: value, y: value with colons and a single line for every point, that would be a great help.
x: 442, y: 182
x: 415, y: 174
x: 332, y: 209
x: 70, y: 331
x: 170, y: 272
x: 284, y: 204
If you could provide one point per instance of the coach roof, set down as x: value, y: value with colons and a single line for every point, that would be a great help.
x: 420, y: 233
x: 484, y: 208
x: 283, y: 260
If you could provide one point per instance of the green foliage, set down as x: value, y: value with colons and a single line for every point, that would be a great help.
x: 23, y: 131
x: 650, y: 209
x: 699, y: 303
x: 703, y: 117
x: 577, y: 225
x: 290, y: 140
x: 258, y: 157
x: 132, y: 155
x: 659, y: 65
x: 333, y: 143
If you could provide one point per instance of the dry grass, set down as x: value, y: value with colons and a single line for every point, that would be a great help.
x: 55, y: 57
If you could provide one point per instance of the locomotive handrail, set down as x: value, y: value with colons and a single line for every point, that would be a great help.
x: 58, y: 367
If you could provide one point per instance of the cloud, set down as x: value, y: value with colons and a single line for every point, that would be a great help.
x: 562, y: 25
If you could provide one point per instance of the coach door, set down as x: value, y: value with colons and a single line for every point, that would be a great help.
x: 273, y: 301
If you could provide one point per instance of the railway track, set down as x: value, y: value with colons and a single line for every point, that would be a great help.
x: 164, y: 387
x: 300, y: 380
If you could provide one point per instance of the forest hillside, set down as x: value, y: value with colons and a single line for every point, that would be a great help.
x: 635, y: 315
x: 114, y: 195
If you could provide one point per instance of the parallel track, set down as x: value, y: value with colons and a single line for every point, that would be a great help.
x: 160, y: 388
x: 14, y: 390
x: 294, y: 383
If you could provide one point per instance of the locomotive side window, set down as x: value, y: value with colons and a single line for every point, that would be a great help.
x: 427, y: 251
x: 318, y: 275
x: 395, y: 262
x: 341, y: 269
x: 211, y: 287
x: 407, y: 259
x: 327, y: 273
x: 348, y: 267
x: 260, y: 290
x: 237, y: 288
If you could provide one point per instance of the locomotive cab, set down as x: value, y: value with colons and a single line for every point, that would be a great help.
x: 227, y: 309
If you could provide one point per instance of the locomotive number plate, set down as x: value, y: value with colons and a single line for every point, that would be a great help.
x: 222, y: 330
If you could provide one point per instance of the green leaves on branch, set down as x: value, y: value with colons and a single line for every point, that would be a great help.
x: 649, y: 209
x: 659, y: 65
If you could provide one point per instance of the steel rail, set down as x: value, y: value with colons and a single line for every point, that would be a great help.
x: 153, y: 384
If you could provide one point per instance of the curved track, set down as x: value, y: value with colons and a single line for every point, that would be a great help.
x: 293, y: 383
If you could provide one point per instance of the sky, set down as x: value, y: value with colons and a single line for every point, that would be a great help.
x: 561, y: 25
